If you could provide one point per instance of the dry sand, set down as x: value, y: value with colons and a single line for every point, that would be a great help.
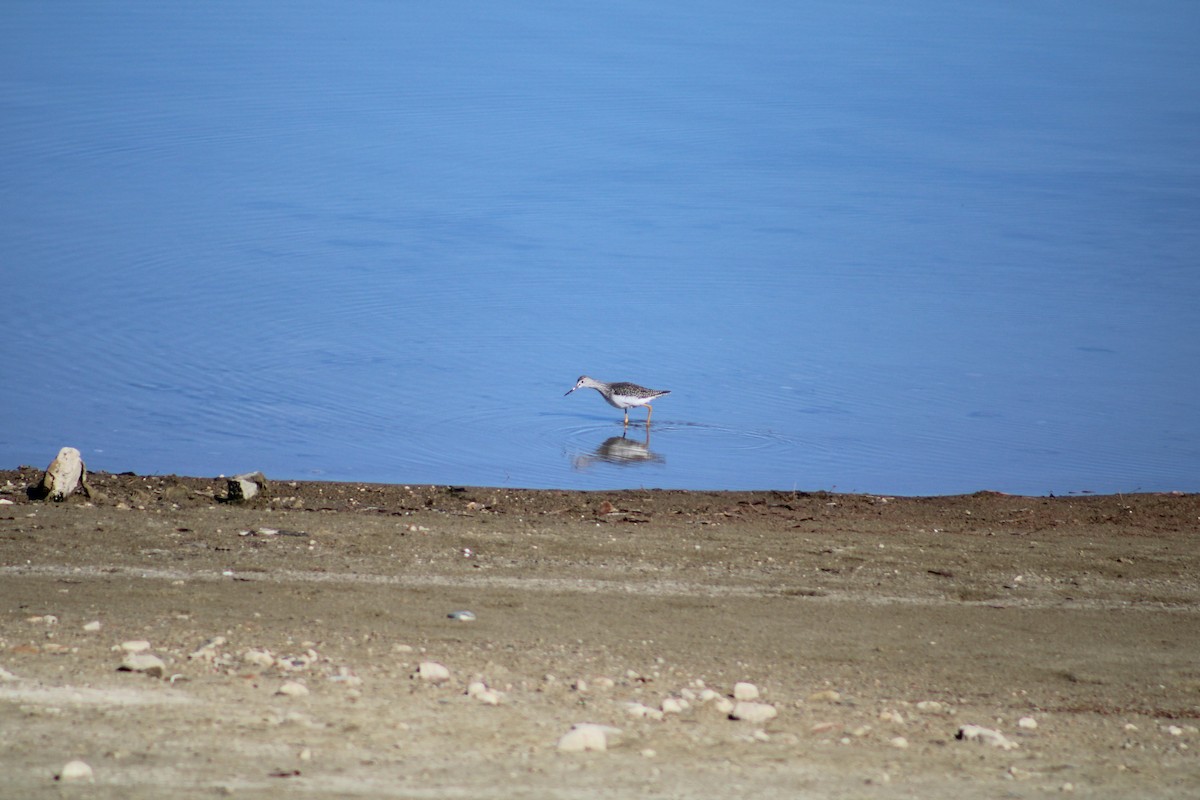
x: 875, y: 627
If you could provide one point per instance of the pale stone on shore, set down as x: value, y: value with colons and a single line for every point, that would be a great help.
x: 826, y: 696
x: 135, y: 646
x: 745, y: 691
x: 77, y: 772
x: 1027, y: 723
x: 674, y: 705
x: 293, y: 689
x: 432, y: 672
x: 586, y: 736
x: 258, y: 658
x: 92, y: 626
x: 976, y: 733
x: 480, y: 691
x: 246, y: 486
x: 145, y: 663
x: 757, y: 713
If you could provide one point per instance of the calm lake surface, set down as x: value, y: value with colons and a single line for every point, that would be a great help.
x: 910, y: 248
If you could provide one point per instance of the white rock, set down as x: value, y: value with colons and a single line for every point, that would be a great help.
x: 642, y: 711
x: 258, y: 658
x: 976, y: 733
x: 756, y: 713
x: 135, y: 646
x: 674, y: 705
x: 146, y: 663
x: 432, y: 672
x: 480, y: 691
x: 723, y: 704
x: 208, y: 650
x: 92, y: 626
x: 745, y: 691
x: 708, y: 695
x: 930, y: 707
x: 898, y: 742
x: 293, y: 689
x: 826, y: 696
x: 77, y: 771
x: 1028, y: 723
x: 245, y: 486
x: 5, y: 675
x: 586, y: 736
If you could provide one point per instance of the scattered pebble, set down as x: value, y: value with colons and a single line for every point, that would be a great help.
x: 745, y: 691
x: 586, y: 736
x: 894, y: 717
x: 432, y: 672
x: 976, y: 733
x: 931, y: 707
x: 5, y: 675
x: 753, y: 712
x: 674, y: 705
x: 135, y: 646
x: 480, y: 691
x: 258, y: 658
x: 1028, y: 723
x: 643, y: 711
x: 43, y: 619
x: 92, y: 626
x: 293, y: 689
x: 462, y: 616
x: 898, y: 742
x: 77, y: 772
x: 208, y: 650
x: 827, y: 696
x: 145, y: 663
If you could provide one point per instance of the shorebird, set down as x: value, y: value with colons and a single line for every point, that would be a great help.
x: 622, y: 395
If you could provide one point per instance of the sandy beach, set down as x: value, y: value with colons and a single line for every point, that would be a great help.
x: 294, y: 634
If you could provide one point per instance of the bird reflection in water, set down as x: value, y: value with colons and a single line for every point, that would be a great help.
x: 621, y: 450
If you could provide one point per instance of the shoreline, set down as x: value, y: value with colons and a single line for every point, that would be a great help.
x: 292, y: 630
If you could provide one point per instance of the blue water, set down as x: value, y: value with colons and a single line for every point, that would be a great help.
x: 909, y: 248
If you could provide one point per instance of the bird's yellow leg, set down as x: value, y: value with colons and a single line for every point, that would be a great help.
x: 649, y: 411
x: 627, y: 418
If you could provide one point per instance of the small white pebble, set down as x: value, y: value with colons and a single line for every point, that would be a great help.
x: 673, y: 705
x: 827, y: 696
x: 432, y: 672
x: 77, y: 771
x: 145, y: 663
x: 753, y: 712
x: 293, y: 689
x: 745, y: 691
x: 898, y: 742
x: 1028, y: 723
x: 135, y: 646
x: 586, y: 736
x: 92, y: 626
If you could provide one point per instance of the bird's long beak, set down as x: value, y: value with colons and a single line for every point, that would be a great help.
x: 571, y: 391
